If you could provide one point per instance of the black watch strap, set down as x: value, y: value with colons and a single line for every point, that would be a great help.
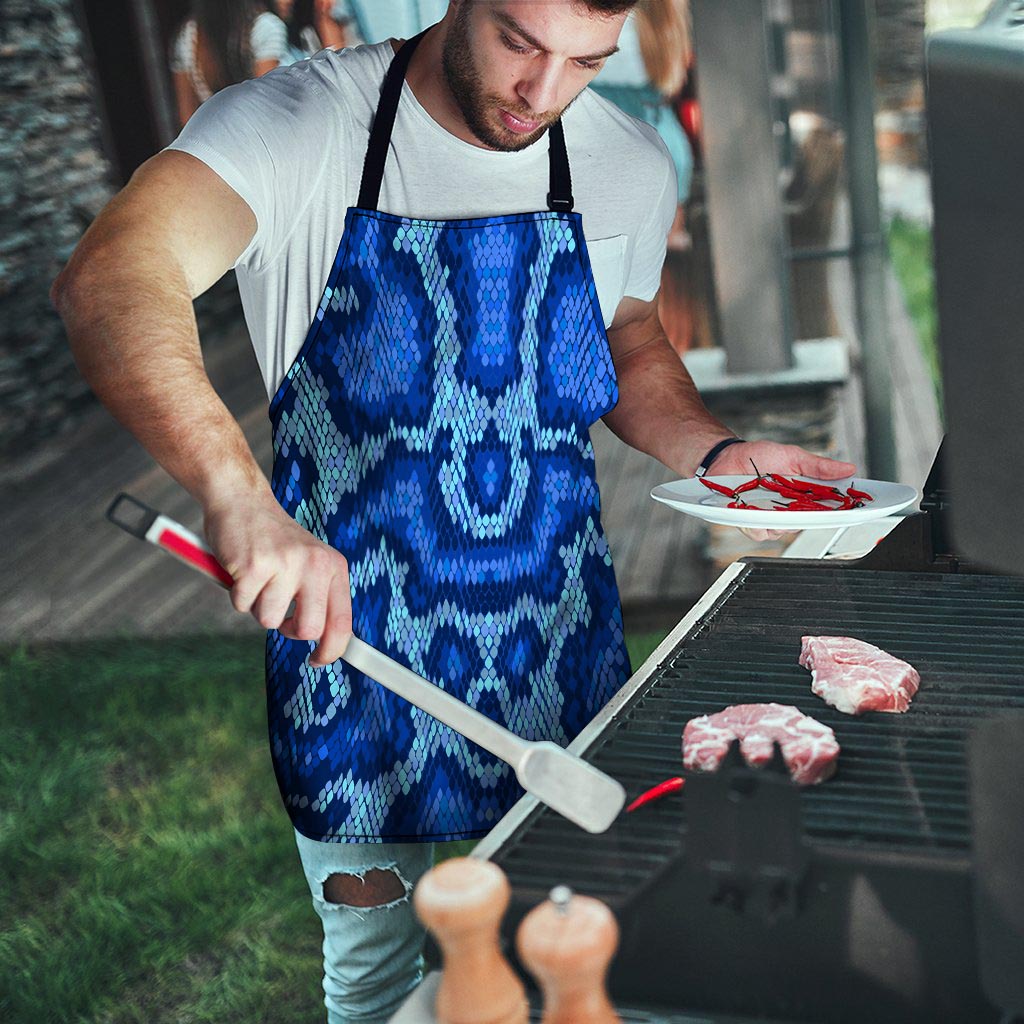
x: 705, y: 463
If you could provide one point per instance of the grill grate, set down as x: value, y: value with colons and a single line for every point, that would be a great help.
x: 902, y: 779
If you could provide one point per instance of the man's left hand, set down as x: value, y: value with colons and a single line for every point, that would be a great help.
x: 771, y: 457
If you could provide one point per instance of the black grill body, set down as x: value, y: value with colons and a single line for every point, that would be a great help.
x: 747, y: 896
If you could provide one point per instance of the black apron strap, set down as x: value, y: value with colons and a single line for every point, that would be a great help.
x: 559, y: 196
x: 383, y: 122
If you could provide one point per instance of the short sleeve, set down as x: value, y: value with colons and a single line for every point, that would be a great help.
x: 652, y: 238
x: 269, y: 38
x: 268, y: 139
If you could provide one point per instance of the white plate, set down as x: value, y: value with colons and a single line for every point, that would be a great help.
x: 693, y: 498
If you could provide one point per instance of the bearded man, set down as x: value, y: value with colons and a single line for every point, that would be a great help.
x: 432, y: 377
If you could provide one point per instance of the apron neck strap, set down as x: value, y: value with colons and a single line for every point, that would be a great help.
x: 559, y: 197
x: 383, y: 122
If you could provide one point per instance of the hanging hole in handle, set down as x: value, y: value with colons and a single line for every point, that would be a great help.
x: 131, y: 515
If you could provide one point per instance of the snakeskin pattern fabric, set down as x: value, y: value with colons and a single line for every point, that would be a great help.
x: 435, y: 430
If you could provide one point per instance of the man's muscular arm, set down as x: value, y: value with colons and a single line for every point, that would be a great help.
x: 659, y: 410
x: 126, y: 301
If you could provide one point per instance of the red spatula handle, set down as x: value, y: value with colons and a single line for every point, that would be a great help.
x: 147, y: 524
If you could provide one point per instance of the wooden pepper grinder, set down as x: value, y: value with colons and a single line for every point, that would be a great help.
x: 462, y: 901
x: 567, y: 943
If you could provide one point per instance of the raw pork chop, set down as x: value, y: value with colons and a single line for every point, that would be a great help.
x: 809, y: 748
x: 855, y: 677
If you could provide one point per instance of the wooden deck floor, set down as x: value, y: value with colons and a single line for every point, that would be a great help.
x: 74, y: 574
x: 70, y: 573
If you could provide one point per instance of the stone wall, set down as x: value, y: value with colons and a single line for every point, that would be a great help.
x: 54, y: 178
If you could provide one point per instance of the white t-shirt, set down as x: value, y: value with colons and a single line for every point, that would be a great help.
x: 292, y: 144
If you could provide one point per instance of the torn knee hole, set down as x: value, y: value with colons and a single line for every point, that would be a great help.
x: 373, y: 889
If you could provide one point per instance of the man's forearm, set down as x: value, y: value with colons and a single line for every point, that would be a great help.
x: 133, y: 333
x: 660, y: 411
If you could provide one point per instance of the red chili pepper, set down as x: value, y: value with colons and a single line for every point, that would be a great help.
x: 788, y: 492
x: 806, y: 505
x: 717, y: 487
x: 656, y: 793
x: 773, y: 485
x: 793, y: 485
x: 803, y: 495
x: 808, y: 487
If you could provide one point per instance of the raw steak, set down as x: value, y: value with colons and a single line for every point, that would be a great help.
x: 809, y: 748
x: 855, y: 677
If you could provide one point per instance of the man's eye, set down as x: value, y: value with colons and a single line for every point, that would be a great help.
x: 514, y: 47
x: 589, y: 65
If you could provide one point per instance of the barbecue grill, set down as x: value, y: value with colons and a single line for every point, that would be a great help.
x: 893, y: 892
x: 745, y: 896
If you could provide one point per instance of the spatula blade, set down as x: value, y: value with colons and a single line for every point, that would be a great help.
x: 570, y: 786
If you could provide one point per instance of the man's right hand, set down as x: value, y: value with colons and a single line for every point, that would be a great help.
x: 274, y: 562
x: 126, y: 300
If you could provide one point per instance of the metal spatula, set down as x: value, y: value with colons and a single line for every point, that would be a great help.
x: 562, y: 781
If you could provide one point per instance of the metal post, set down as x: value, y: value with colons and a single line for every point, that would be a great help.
x: 154, y: 64
x: 868, y: 239
x: 748, y: 237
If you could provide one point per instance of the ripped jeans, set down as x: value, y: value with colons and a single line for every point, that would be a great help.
x: 372, y: 951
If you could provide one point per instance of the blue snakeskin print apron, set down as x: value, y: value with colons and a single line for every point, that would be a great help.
x: 434, y: 428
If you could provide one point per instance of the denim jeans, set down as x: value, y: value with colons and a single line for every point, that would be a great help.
x: 373, y: 956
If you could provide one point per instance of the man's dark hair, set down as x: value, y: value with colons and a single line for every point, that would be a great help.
x: 609, y: 6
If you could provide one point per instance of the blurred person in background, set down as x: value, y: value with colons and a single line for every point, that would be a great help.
x: 647, y: 75
x: 221, y: 43
x: 314, y: 25
x: 373, y: 21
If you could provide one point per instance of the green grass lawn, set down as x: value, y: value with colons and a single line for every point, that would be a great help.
x: 910, y: 247
x: 148, y: 868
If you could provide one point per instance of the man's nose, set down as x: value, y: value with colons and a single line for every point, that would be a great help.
x: 539, y: 89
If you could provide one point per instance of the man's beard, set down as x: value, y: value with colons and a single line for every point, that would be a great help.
x: 464, y: 83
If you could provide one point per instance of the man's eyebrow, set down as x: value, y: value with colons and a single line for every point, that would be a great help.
x: 510, y: 23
